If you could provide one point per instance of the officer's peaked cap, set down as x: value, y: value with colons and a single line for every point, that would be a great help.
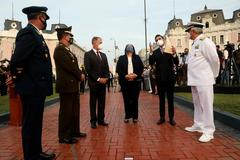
x: 64, y: 30
x: 194, y: 25
x: 35, y: 9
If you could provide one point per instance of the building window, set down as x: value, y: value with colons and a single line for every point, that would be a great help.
x: 238, y: 37
x: 207, y: 24
x: 215, y: 15
x: 198, y: 18
x: 214, y: 39
x: 221, y: 39
x: 179, y: 43
x: 238, y: 14
x: 14, y: 25
x: 177, y: 23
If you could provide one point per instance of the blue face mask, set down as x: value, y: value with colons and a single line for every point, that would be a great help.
x: 129, y: 48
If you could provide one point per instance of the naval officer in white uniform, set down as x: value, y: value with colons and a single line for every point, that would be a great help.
x: 203, y: 68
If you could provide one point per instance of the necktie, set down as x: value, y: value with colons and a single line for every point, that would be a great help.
x: 99, y: 56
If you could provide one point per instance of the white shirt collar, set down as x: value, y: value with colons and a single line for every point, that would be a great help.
x: 95, y: 51
x: 129, y: 57
x: 36, y: 28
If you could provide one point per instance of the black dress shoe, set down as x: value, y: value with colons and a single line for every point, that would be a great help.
x: 161, y: 121
x: 79, y: 135
x: 103, y: 123
x: 93, y: 125
x: 46, y: 156
x: 172, y: 122
x: 68, y: 140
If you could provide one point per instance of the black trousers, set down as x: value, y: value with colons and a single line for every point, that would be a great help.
x: 69, y: 114
x: 166, y: 88
x: 97, y: 101
x: 82, y: 86
x: 153, y: 84
x: 130, y: 92
x: 32, y: 119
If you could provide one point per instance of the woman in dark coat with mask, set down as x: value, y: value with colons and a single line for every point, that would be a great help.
x: 130, y: 69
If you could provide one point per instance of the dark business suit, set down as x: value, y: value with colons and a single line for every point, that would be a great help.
x: 67, y: 85
x: 130, y: 89
x: 165, y: 78
x: 32, y: 72
x: 96, y: 67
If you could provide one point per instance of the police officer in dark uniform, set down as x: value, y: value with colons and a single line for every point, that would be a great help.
x: 68, y: 81
x: 31, y: 71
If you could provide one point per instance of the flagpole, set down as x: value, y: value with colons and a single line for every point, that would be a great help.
x: 145, y: 22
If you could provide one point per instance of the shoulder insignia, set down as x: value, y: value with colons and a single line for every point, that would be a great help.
x: 202, y: 38
x: 67, y: 48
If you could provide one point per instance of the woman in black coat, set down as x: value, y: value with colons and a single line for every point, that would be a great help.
x: 130, y: 69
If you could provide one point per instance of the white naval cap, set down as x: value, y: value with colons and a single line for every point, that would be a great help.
x: 194, y: 25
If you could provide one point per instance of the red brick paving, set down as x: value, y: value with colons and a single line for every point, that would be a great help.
x: 143, y: 141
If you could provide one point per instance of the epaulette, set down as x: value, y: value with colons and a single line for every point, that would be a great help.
x: 60, y: 44
x: 202, y: 38
x: 67, y: 48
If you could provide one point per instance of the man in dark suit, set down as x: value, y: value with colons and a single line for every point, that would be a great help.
x: 96, y: 65
x: 31, y: 71
x: 165, y: 77
x: 69, y: 77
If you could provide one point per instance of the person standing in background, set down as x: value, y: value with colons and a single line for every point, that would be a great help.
x: 83, y: 83
x: 110, y: 81
x: 184, y: 65
x: 221, y: 59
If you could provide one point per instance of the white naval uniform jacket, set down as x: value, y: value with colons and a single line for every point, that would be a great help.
x: 203, y: 62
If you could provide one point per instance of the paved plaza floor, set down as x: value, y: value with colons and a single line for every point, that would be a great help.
x: 144, y: 140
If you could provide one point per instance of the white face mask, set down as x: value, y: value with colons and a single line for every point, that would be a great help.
x: 160, y: 42
x: 100, y: 46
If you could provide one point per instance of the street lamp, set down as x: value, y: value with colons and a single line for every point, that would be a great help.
x: 115, y: 49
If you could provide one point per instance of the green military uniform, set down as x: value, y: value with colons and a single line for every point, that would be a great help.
x: 67, y: 85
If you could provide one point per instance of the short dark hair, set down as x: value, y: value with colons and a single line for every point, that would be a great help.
x: 158, y: 35
x: 95, y: 38
x: 33, y: 15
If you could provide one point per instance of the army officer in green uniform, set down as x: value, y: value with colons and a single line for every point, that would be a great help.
x: 68, y: 80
